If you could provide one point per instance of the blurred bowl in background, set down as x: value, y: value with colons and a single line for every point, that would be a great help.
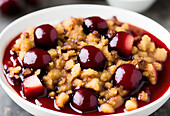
x: 134, y: 5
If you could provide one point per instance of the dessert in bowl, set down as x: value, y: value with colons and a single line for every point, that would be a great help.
x: 91, y: 63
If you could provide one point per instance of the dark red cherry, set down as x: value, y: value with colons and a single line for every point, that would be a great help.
x: 9, y: 7
x: 95, y: 23
x: 128, y: 76
x: 84, y: 100
x: 123, y: 43
x: 91, y: 57
x: 45, y: 36
x: 36, y: 58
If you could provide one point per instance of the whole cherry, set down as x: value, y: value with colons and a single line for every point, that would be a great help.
x: 36, y: 58
x: 95, y: 23
x: 84, y: 100
x: 91, y: 57
x: 45, y: 36
x: 127, y: 76
x: 123, y: 43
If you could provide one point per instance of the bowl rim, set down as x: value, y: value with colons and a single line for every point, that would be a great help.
x: 133, y: 0
x: 166, y: 95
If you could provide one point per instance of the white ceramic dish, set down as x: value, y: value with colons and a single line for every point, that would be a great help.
x: 134, y: 5
x: 56, y: 14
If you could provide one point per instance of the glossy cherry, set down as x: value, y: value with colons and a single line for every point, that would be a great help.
x: 9, y: 7
x: 91, y: 57
x: 128, y: 76
x: 95, y: 23
x: 123, y: 43
x: 45, y: 36
x: 84, y: 100
x: 36, y: 58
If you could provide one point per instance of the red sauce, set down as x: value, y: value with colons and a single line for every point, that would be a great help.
x: 156, y: 91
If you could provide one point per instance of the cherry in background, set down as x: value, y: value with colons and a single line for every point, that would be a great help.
x: 95, y: 23
x: 10, y: 7
x: 91, y: 57
x: 45, y: 36
x: 84, y: 100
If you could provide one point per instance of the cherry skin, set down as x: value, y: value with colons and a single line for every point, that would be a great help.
x: 91, y: 57
x: 123, y: 43
x: 45, y: 36
x: 36, y: 58
x: 95, y: 23
x: 84, y: 100
x: 128, y: 76
x: 9, y: 7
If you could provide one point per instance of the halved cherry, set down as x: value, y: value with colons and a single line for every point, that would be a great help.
x: 36, y: 58
x: 84, y: 100
x: 95, y: 23
x: 128, y: 76
x: 91, y: 57
x: 32, y: 87
x: 123, y: 43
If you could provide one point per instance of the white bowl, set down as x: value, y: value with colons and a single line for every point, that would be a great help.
x: 134, y: 5
x: 56, y: 14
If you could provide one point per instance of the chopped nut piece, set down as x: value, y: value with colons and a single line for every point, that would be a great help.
x: 48, y: 81
x: 75, y: 71
x: 53, y: 53
x: 27, y: 72
x: 68, y: 54
x: 112, y: 69
x: 158, y: 66
x: 150, y: 73
x: 89, y: 73
x: 116, y: 101
x: 14, y: 70
x: 134, y: 50
x: 105, y: 76
x: 69, y: 64
x: 160, y: 54
x: 144, y: 43
x: 131, y: 104
x: 69, y: 92
x: 38, y: 71
x: 151, y: 47
x: 51, y: 94
x: 121, y: 91
x: 77, y: 83
x: 61, y: 99
x: 142, y: 65
x: 107, y: 108
x: 144, y: 97
x: 108, y: 85
x: 94, y: 84
x: 54, y: 74
x: 112, y: 91
x: 64, y: 88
